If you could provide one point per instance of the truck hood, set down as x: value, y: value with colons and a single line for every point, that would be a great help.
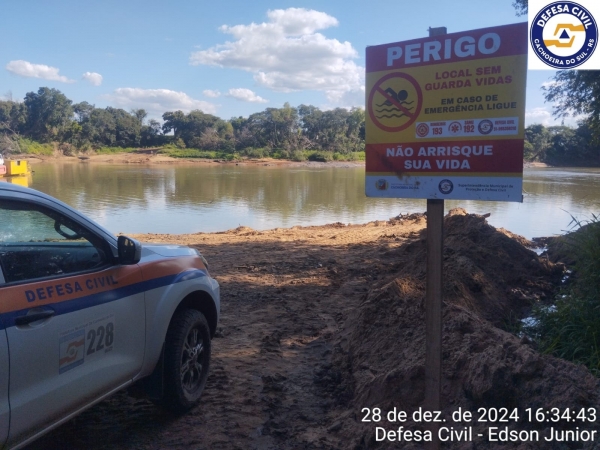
x: 168, y: 250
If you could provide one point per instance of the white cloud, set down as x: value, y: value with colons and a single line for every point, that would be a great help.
x: 210, y: 93
x: 29, y: 70
x: 347, y: 99
x: 157, y: 101
x: 538, y: 115
x: 95, y: 79
x: 287, y: 54
x: 544, y: 116
x: 246, y: 95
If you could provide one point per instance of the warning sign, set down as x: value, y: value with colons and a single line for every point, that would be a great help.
x: 446, y: 116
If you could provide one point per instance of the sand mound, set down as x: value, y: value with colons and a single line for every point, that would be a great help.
x: 490, y: 279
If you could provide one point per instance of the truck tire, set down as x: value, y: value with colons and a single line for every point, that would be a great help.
x: 187, y: 359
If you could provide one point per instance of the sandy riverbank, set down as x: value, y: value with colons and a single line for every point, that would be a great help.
x: 149, y: 157
x: 143, y: 157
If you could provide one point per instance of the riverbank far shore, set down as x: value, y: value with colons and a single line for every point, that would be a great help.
x: 318, y: 323
x: 143, y: 158
x: 151, y: 157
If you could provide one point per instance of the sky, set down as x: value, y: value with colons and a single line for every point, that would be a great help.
x: 230, y: 58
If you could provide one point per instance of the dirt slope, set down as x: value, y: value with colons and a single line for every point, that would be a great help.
x: 490, y: 279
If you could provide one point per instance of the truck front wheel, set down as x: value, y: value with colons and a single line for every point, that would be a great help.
x: 187, y: 358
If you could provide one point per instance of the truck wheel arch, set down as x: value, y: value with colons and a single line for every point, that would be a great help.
x: 203, y: 302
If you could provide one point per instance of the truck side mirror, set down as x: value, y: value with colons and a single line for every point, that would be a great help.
x: 130, y: 250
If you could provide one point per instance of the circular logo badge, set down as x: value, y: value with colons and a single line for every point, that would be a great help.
x: 422, y: 130
x: 446, y: 186
x: 485, y: 126
x: 381, y: 185
x: 454, y: 128
x: 564, y: 35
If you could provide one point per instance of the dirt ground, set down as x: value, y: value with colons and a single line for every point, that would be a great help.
x: 320, y: 322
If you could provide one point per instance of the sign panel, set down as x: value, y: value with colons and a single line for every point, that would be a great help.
x: 445, y: 116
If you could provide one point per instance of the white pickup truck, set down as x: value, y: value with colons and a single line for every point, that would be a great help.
x: 84, y: 314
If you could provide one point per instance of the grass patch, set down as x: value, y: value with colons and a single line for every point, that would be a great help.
x: 192, y: 153
x: 571, y: 328
x: 352, y: 156
x: 113, y: 150
x: 317, y: 155
x: 34, y: 148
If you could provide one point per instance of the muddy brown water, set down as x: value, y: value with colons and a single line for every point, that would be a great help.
x: 217, y: 197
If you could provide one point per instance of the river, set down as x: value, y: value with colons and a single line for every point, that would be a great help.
x: 190, y: 198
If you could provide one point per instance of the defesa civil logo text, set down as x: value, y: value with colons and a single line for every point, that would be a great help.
x: 563, y: 35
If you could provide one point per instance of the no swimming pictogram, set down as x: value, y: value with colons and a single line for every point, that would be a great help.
x: 395, y: 102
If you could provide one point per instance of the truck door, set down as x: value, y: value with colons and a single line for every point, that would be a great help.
x: 74, y: 320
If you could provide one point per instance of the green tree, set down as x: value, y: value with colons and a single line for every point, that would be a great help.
x: 242, y: 136
x: 140, y: 115
x: 539, y: 137
x: 521, y: 7
x: 577, y: 92
x: 174, y: 122
x: 127, y: 127
x: 587, y: 149
x: 338, y: 130
x: 82, y: 111
x: 151, y: 134
x: 199, y: 130
x: 310, y: 121
x: 13, y: 117
x: 49, y: 114
x: 100, y: 128
x: 275, y: 127
x: 564, y: 142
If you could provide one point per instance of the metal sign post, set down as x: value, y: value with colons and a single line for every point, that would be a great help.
x: 433, y: 313
x: 433, y: 302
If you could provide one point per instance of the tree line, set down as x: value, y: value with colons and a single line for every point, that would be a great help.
x: 562, y: 145
x: 49, y: 116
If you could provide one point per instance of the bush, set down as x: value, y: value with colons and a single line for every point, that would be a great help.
x: 352, y: 156
x: 571, y: 328
x: 360, y: 156
x: 298, y: 155
x: 232, y: 157
x: 281, y: 154
x: 254, y: 152
x: 322, y: 156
